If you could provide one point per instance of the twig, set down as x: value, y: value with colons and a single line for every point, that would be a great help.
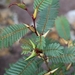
x: 45, y: 59
x: 34, y: 26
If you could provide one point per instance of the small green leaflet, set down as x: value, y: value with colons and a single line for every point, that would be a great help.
x: 53, y: 49
x: 68, y: 56
x: 42, y: 73
x: 41, y: 4
x: 47, y: 17
x: 40, y: 42
x: 22, y: 67
x: 26, y: 49
x: 63, y: 27
x: 11, y: 34
x: 27, y: 46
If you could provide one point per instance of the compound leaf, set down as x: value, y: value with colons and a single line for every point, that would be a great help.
x: 63, y: 27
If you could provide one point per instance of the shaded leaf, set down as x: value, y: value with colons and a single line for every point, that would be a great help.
x: 41, y: 4
x: 47, y: 17
x: 68, y: 56
x: 63, y: 27
x: 53, y: 49
x: 23, y: 67
x: 25, y: 49
x: 40, y: 42
x: 12, y: 34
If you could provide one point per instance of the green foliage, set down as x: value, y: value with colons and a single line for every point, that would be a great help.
x: 26, y: 46
x: 11, y: 34
x: 68, y: 56
x: 47, y: 17
x: 50, y: 41
x: 26, y: 49
x: 63, y: 27
x: 40, y: 42
x: 41, y: 4
x: 42, y: 73
x: 40, y: 49
x: 23, y: 67
x: 53, y: 50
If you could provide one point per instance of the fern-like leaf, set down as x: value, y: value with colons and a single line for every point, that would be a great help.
x: 40, y: 42
x: 47, y: 17
x: 42, y: 73
x: 53, y: 49
x: 11, y: 34
x: 25, y: 49
x: 50, y: 41
x: 23, y: 67
x: 41, y: 4
x: 63, y: 27
x: 27, y: 45
x: 68, y: 56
